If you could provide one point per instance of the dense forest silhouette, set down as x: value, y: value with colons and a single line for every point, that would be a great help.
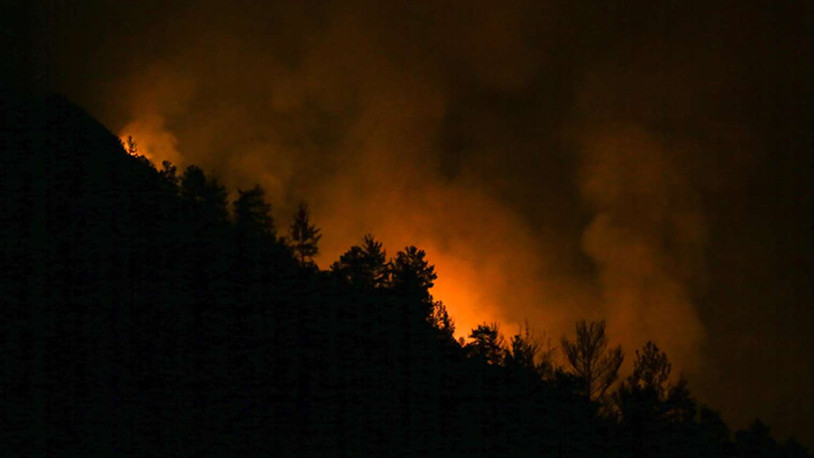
x: 144, y: 314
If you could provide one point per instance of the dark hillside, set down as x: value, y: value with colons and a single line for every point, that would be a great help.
x: 141, y: 319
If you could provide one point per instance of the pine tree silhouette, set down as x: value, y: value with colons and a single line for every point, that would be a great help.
x: 304, y: 237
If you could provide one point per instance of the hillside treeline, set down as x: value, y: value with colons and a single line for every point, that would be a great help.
x: 145, y: 313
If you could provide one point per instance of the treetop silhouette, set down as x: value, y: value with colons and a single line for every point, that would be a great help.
x: 364, y: 266
x: 253, y: 213
x: 487, y: 343
x: 589, y: 358
x: 304, y: 237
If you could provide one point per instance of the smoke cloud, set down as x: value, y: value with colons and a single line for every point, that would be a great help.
x: 647, y: 238
x: 556, y: 162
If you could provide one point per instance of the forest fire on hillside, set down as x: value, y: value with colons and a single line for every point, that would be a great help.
x: 556, y: 161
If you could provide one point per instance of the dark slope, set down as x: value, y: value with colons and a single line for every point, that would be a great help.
x: 136, y: 325
x: 139, y: 321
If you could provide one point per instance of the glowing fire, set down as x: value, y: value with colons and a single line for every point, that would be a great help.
x: 151, y: 140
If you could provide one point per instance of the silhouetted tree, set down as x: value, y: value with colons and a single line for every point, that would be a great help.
x: 363, y: 266
x: 253, y: 213
x: 527, y: 352
x: 411, y: 277
x: 680, y: 405
x: 590, y: 361
x: 206, y: 197
x: 441, y: 320
x: 130, y: 146
x: 714, y: 435
x: 642, y: 397
x: 651, y: 409
x: 169, y: 173
x: 487, y: 343
x: 755, y: 442
x: 651, y: 370
x: 304, y: 237
x: 411, y: 272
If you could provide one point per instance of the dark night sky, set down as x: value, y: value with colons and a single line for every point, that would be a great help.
x: 644, y: 162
